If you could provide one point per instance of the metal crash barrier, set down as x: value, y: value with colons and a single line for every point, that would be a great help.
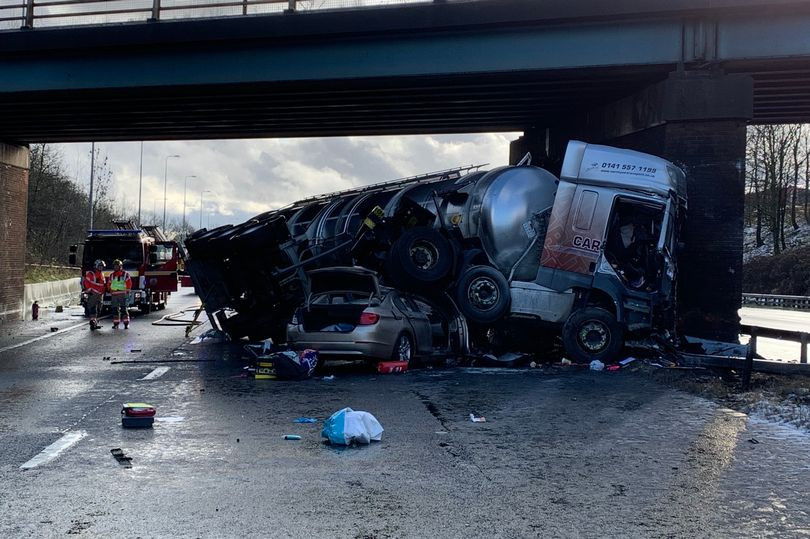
x: 796, y: 303
x: 15, y: 14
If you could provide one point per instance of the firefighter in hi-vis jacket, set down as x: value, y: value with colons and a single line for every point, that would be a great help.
x: 119, y: 284
x: 94, y: 286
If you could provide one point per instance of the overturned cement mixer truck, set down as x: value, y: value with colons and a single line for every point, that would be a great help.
x: 591, y: 254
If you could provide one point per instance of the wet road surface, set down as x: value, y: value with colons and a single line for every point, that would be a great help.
x: 564, y: 452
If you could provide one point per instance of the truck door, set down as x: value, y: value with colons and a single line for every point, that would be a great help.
x: 666, y: 249
x: 162, y: 275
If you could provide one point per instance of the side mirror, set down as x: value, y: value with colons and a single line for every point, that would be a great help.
x: 74, y: 248
x: 72, y: 258
x: 153, y: 258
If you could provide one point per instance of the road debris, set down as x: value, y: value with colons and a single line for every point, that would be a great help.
x: 305, y: 420
x: 565, y: 361
x: 476, y: 419
x: 121, y: 457
x: 348, y: 427
x: 137, y: 415
x: 627, y: 361
x: 597, y: 365
x: 329, y: 378
x: 390, y: 367
x: 291, y: 437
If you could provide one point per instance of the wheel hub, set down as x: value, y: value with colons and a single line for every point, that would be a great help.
x: 594, y: 336
x: 483, y: 293
x: 404, y: 349
x: 424, y: 255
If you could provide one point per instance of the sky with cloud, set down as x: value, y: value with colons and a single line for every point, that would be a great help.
x: 247, y: 177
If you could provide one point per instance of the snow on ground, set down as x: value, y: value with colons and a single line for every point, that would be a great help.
x: 793, y: 239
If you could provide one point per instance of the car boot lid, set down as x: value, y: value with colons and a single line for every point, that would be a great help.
x: 344, y: 279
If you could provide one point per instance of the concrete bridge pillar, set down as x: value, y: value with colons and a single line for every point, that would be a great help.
x: 698, y: 121
x: 13, y: 214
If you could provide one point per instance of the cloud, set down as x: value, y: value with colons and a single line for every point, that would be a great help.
x: 246, y: 177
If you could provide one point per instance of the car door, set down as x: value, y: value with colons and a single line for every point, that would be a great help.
x: 420, y: 324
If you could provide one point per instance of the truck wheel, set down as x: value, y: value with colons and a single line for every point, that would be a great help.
x: 592, y: 333
x: 421, y: 255
x: 482, y: 294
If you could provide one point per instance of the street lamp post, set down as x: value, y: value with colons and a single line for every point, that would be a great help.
x: 140, y: 186
x: 165, y: 183
x: 185, y: 187
x: 201, y: 205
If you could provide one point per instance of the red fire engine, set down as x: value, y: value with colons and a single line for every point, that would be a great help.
x: 151, y: 259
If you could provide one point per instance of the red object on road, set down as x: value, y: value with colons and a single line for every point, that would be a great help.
x: 137, y: 415
x: 389, y: 367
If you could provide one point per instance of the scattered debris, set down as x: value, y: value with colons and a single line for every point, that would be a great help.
x: 59, y: 309
x: 347, y: 427
x: 565, y: 361
x: 390, y: 367
x: 135, y: 350
x: 627, y: 361
x: 121, y: 457
x: 305, y: 420
x: 753, y: 440
x: 597, y: 365
x: 475, y: 419
x: 137, y: 415
x: 330, y: 377
x: 291, y: 437
x: 613, y: 368
x: 54, y: 329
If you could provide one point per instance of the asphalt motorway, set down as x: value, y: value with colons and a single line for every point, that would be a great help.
x: 564, y: 452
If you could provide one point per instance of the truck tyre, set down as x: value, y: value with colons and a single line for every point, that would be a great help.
x: 421, y: 255
x: 592, y: 333
x: 482, y: 294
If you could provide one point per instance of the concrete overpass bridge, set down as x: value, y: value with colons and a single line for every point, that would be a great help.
x: 679, y: 78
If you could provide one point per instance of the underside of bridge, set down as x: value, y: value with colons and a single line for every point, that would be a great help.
x: 680, y: 79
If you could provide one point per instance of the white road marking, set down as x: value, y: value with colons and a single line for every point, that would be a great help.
x: 53, y: 450
x: 157, y: 373
x: 46, y: 336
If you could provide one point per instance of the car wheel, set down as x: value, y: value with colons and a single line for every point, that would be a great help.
x: 592, y: 333
x: 403, y: 348
x: 421, y: 255
x: 482, y: 294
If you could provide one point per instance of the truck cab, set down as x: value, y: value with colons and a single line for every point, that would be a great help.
x: 608, y: 259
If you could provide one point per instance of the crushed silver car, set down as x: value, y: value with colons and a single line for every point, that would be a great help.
x: 348, y: 314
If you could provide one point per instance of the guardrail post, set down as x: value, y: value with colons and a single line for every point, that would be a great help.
x: 749, y: 360
x: 29, y: 14
x: 155, y: 10
x: 803, y: 358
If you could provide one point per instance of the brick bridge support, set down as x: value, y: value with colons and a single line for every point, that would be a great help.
x: 698, y: 121
x: 13, y: 216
